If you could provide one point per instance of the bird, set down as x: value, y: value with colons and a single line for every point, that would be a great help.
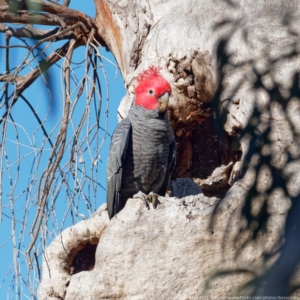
x: 142, y: 152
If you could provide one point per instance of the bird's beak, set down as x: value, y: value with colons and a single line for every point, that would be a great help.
x: 163, y: 102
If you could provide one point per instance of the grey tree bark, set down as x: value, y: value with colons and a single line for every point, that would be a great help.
x: 176, y: 251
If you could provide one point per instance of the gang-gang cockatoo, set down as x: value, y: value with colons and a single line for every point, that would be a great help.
x: 143, y: 149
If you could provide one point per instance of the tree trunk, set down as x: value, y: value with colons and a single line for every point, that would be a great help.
x: 176, y: 251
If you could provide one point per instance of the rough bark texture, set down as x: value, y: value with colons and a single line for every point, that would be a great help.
x: 167, y: 253
x: 181, y: 38
x: 174, y: 249
x: 59, y: 261
x: 172, y: 252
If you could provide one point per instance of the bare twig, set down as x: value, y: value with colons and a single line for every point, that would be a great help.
x: 60, y: 11
x: 64, y: 158
x: 23, y: 82
x: 66, y: 2
x: 57, y: 151
x: 27, y: 32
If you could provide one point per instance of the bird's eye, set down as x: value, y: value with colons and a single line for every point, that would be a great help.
x: 151, y: 92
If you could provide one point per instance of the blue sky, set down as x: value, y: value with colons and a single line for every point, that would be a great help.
x: 21, y: 144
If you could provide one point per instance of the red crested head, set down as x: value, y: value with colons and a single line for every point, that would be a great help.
x: 152, y: 91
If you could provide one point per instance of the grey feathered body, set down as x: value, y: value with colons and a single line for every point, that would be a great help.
x: 144, y: 162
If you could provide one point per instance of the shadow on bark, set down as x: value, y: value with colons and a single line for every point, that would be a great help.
x: 274, y: 102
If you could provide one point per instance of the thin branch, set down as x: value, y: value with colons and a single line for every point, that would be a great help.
x: 57, y: 152
x: 38, y: 119
x: 23, y: 82
x: 54, y: 37
x: 27, y: 31
x: 66, y: 2
x: 56, y: 13
x: 64, y: 172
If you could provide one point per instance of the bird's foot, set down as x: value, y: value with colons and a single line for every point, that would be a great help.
x: 152, y: 197
x: 143, y: 197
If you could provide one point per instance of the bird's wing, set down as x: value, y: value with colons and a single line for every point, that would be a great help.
x: 117, y: 153
x: 171, y: 165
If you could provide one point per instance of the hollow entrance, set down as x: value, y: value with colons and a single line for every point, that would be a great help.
x: 207, y: 158
x: 84, y: 259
